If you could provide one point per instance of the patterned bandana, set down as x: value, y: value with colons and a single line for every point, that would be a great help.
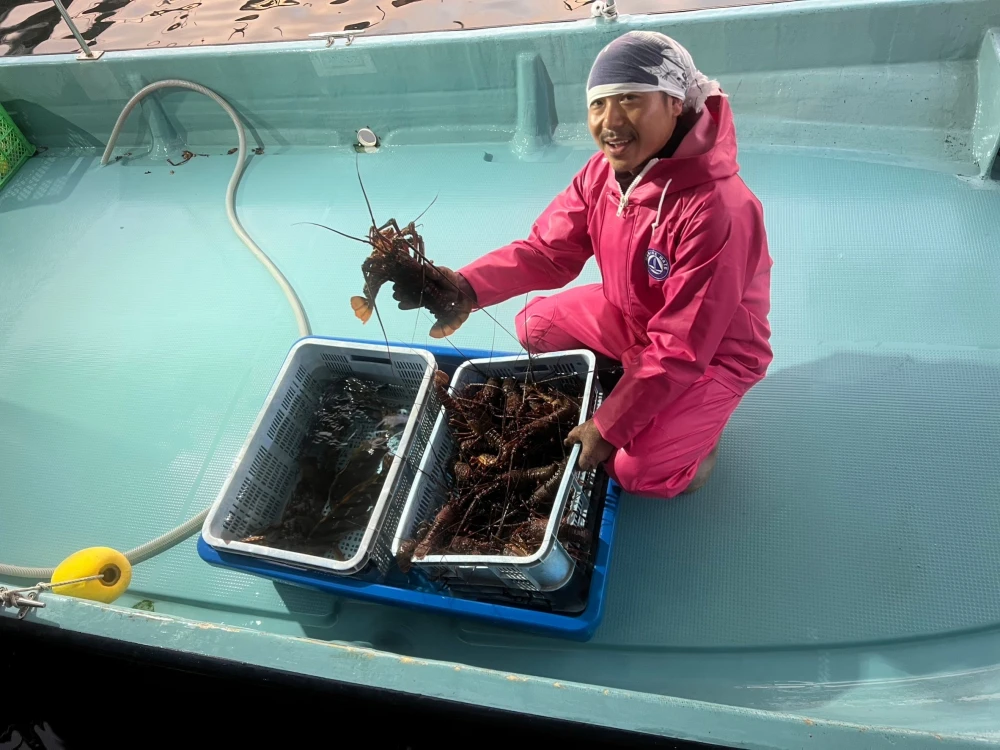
x: 642, y: 61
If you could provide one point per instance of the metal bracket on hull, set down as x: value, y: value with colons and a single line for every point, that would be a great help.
x: 24, y: 602
x: 606, y: 10
x: 332, y: 36
x: 26, y: 599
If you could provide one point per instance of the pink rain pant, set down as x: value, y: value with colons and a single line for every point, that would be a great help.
x: 661, y: 460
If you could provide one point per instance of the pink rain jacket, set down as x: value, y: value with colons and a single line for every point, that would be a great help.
x: 682, y: 254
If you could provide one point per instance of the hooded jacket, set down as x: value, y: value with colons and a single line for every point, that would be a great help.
x: 683, y: 256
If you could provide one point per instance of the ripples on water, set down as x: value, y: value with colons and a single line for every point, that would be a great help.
x: 36, y: 27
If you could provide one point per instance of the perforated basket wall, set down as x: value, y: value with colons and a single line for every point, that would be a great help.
x: 267, y: 469
x: 551, y: 567
x: 14, y: 148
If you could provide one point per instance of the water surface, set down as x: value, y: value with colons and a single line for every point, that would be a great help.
x: 35, y: 27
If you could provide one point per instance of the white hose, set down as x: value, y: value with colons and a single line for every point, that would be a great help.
x: 186, y: 529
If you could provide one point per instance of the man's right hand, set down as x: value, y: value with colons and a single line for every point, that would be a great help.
x: 459, y: 292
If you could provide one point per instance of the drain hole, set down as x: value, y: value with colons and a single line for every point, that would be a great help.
x: 367, y: 138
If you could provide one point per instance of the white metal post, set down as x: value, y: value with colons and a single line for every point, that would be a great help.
x: 86, y: 53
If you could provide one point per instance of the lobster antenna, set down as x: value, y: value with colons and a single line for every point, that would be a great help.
x: 378, y: 317
x: 493, y: 343
x: 420, y: 302
x: 335, y: 231
x: 420, y: 215
x: 462, y: 354
x: 531, y: 362
x: 357, y: 167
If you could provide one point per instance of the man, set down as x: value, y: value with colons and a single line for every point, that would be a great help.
x: 680, y: 242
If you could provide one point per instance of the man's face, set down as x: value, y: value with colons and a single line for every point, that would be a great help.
x: 631, y: 128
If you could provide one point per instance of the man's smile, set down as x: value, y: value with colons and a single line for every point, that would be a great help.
x: 617, y: 146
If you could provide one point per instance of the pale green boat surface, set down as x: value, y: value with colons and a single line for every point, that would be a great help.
x: 835, y: 585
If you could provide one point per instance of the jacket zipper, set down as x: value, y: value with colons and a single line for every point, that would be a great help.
x: 638, y: 178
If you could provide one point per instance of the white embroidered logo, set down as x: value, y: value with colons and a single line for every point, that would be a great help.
x: 657, y: 264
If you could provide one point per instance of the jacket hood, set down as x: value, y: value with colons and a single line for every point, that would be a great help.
x: 707, y: 153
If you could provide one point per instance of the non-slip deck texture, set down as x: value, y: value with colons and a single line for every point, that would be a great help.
x: 857, y: 496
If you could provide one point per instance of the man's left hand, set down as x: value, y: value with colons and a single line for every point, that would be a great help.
x: 595, y: 449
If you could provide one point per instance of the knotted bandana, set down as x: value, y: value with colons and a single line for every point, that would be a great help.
x: 642, y: 61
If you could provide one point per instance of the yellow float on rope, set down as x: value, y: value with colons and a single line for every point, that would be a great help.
x: 114, y: 570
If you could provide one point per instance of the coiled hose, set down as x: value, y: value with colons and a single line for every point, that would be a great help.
x: 186, y: 529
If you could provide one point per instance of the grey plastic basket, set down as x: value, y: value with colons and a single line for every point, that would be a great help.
x: 266, y: 470
x: 551, y: 566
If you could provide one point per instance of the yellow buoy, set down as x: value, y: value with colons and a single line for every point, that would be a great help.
x: 114, y: 570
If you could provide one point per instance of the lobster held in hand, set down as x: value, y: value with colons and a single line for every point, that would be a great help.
x: 398, y: 256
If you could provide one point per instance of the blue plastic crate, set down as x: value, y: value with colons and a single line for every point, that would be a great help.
x: 411, y: 591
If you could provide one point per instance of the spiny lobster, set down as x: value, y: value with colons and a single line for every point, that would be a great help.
x: 510, y: 463
x: 398, y: 256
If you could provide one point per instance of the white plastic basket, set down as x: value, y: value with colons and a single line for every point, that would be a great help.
x: 266, y: 469
x: 551, y: 566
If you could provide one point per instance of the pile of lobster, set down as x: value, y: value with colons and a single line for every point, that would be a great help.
x: 510, y: 461
x: 338, y: 484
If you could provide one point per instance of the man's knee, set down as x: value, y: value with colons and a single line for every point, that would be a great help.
x: 634, y: 476
x: 704, y: 471
x: 532, y: 330
x: 627, y: 471
x: 634, y: 480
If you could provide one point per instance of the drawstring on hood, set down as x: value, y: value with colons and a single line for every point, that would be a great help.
x: 707, y: 153
x: 635, y: 183
x: 659, y: 208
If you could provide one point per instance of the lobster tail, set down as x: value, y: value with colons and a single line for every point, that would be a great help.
x: 362, y: 307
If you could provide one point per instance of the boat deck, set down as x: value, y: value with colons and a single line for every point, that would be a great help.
x: 837, y: 575
x: 855, y: 498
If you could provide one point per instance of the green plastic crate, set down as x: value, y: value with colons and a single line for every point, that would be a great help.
x: 14, y: 149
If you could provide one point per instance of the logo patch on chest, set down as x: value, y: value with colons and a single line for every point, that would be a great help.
x: 657, y: 264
